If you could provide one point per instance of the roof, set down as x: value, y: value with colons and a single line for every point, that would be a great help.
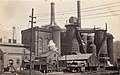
x: 76, y: 57
x: 12, y: 44
x: 13, y: 48
x: 45, y: 54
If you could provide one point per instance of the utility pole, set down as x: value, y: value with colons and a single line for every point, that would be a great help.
x: 23, y: 61
x: 31, y: 39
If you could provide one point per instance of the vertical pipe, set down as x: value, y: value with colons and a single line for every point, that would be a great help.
x: 13, y: 38
x: 106, y: 26
x: 79, y: 13
x: 52, y: 20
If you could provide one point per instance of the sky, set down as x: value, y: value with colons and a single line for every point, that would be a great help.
x: 15, y: 13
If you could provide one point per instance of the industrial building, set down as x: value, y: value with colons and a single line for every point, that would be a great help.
x: 42, y: 35
x: 14, y: 52
x: 79, y: 61
x: 48, y: 61
x: 73, y: 40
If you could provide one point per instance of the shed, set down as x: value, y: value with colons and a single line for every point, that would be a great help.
x: 81, y: 60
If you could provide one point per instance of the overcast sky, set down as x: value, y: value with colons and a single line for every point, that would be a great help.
x: 16, y: 13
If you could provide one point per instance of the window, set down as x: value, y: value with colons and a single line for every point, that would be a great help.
x: 40, y: 44
x: 46, y: 44
x: 50, y: 60
x: 54, y: 60
x: 18, y: 61
x: 44, y: 59
x: 53, y: 63
x: 54, y: 55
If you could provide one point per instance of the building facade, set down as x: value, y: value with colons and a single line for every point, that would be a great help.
x: 48, y: 61
x: 40, y: 37
x: 78, y: 62
x: 15, y: 53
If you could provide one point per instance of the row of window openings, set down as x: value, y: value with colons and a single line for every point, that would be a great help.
x: 17, y: 61
x: 51, y: 60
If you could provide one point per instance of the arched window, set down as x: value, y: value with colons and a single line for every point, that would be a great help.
x: 40, y: 45
x: 46, y: 44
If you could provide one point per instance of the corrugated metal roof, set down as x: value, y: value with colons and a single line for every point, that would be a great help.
x: 45, y: 54
x: 14, y: 49
x: 76, y: 57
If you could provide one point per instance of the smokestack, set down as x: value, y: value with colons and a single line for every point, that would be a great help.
x: 52, y: 20
x: 106, y: 26
x: 79, y: 13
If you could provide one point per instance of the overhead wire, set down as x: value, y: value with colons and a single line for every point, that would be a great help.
x: 81, y: 11
x: 101, y: 7
x: 88, y: 14
x: 82, y: 18
x: 101, y: 16
x: 101, y: 13
x: 73, y: 11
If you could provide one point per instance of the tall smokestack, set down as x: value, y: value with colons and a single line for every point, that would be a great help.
x: 52, y: 20
x: 79, y: 13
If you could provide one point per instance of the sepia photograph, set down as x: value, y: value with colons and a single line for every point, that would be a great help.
x: 59, y: 37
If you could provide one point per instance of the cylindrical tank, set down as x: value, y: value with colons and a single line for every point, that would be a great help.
x: 101, y: 42
x: 90, y: 37
x: 91, y: 47
x: 104, y: 48
x: 56, y: 36
x: 84, y: 38
x: 110, y: 47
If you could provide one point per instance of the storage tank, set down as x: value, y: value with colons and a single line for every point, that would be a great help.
x: 110, y: 47
x: 90, y: 37
x: 91, y: 47
x: 84, y: 38
x: 101, y: 42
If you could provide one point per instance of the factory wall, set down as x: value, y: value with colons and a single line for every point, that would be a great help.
x: 41, y: 38
x: 26, y: 36
x: 41, y: 41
